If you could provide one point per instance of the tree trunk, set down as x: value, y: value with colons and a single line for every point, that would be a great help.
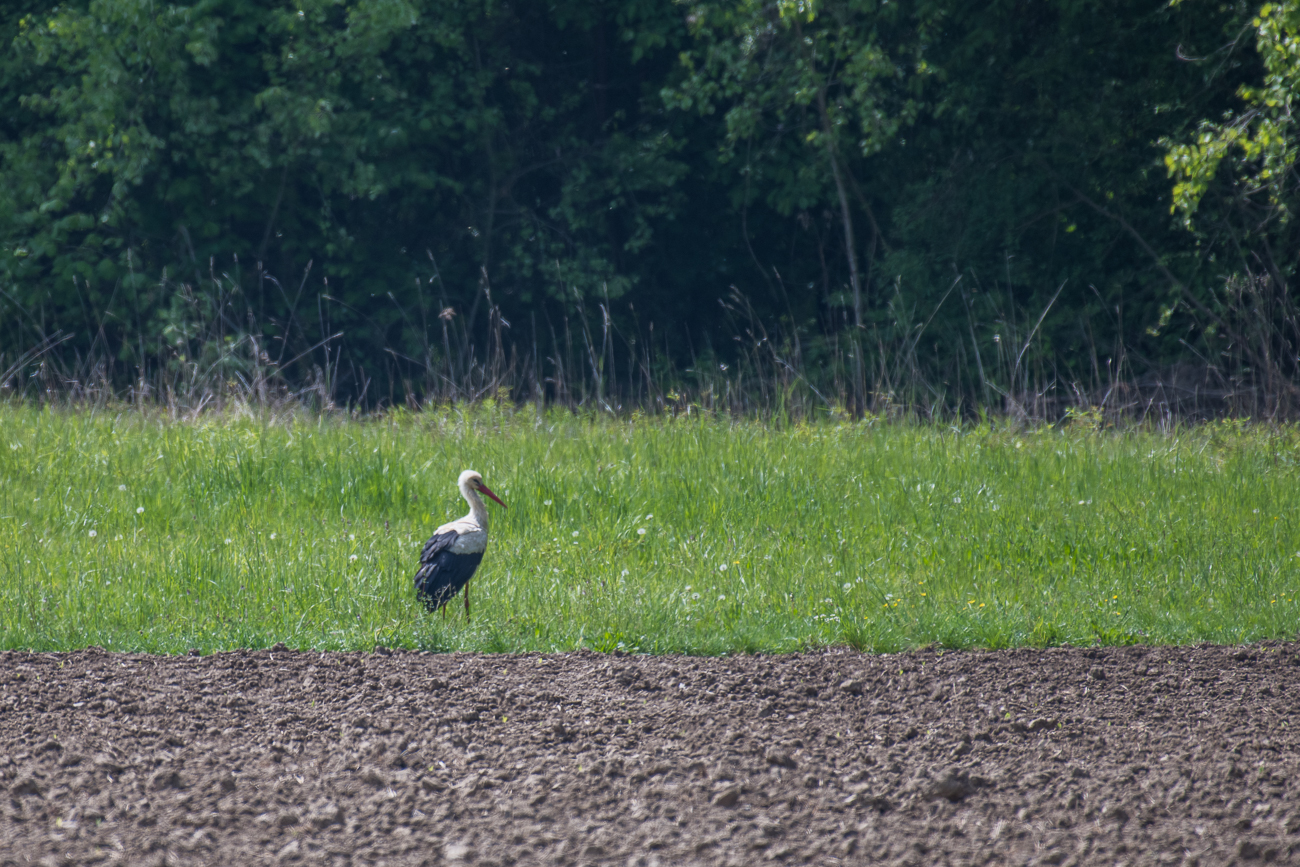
x: 845, y: 216
x: 857, y: 394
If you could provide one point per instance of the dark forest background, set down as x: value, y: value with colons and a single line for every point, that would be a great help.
x: 848, y: 206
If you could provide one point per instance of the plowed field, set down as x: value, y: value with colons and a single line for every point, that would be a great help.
x: 1068, y: 756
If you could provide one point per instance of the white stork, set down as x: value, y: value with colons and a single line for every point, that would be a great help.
x: 455, y: 549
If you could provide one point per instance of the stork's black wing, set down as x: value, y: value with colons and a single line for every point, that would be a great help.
x: 442, y: 574
x: 437, y: 543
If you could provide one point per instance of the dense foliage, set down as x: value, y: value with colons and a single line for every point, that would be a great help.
x: 888, y: 191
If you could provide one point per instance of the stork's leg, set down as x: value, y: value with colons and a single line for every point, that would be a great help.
x: 467, y: 602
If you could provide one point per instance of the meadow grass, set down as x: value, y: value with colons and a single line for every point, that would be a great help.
x: 132, y: 532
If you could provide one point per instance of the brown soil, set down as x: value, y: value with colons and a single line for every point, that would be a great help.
x: 1138, y: 755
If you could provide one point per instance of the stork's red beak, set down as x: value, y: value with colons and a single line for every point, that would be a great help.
x: 484, y: 488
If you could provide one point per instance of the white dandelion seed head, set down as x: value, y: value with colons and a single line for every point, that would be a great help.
x: 722, y: 598
x: 695, y: 596
x: 722, y: 567
x: 227, y: 541
x: 848, y: 586
x: 93, y: 534
x: 625, y: 572
x: 123, y: 488
x: 352, y: 558
x: 688, y: 587
x: 649, y: 517
x: 957, y: 500
x: 641, y: 532
x: 546, y: 502
x: 272, y: 535
x: 352, y: 537
x: 575, y: 534
x: 139, y: 510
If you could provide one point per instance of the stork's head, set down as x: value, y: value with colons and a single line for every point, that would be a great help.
x: 470, y: 480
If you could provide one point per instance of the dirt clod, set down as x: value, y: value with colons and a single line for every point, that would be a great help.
x: 1139, y: 755
x: 26, y: 786
x: 323, y: 815
x: 166, y: 779
x: 781, y: 758
x: 457, y: 852
x: 727, y: 797
x: 953, y: 785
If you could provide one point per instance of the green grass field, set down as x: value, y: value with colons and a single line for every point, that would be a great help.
x: 136, y: 533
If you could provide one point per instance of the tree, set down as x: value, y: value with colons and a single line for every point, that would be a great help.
x: 1235, y: 191
x: 806, y: 87
x: 1258, y: 142
x: 364, y: 136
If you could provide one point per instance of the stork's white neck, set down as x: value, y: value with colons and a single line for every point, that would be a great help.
x: 477, y: 511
